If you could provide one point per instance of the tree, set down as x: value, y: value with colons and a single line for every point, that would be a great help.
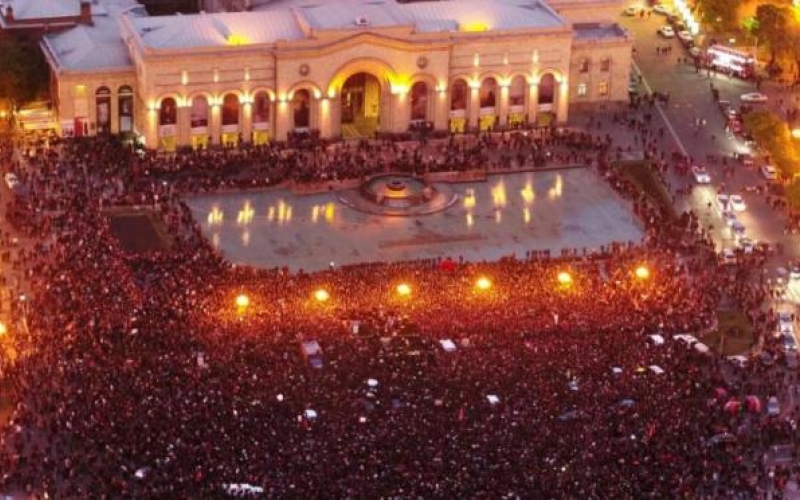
x: 773, y: 24
x: 23, y: 72
x: 720, y: 13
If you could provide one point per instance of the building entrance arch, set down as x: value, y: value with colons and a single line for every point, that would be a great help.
x: 361, y: 105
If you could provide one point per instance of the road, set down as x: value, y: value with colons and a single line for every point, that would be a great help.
x: 691, y: 98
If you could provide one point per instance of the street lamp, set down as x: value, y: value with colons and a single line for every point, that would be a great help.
x: 483, y: 283
x: 796, y: 133
x: 321, y: 295
x: 242, y: 302
x: 3, y: 329
x: 403, y: 289
x: 642, y: 272
x: 565, y: 278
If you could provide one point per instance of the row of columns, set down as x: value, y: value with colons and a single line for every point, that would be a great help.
x: 325, y: 115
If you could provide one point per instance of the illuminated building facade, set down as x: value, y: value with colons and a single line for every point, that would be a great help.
x: 340, y: 68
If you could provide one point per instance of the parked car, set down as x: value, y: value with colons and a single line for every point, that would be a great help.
x: 794, y: 271
x: 695, y: 52
x: 11, y: 180
x: 773, y: 407
x: 738, y: 229
x: 722, y: 203
x: 662, y: 9
x: 701, y: 175
x: 739, y: 360
x: 768, y: 172
x: 684, y: 36
x: 744, y: 158
x: 727, y: 257
x: 747, y: 245
x: 737, y: 203
x: 729, y: 218
x: 630, y: 10
x: 667, y: 32
x: 788, y: 342
x: 753, y: 97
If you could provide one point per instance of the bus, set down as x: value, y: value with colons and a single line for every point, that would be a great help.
x: 736, y: 62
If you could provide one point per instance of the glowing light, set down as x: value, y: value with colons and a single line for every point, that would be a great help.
x: 215, y: 240
x: 526, y: 215
x: 564, y: 278
x: 483, y: 283
x: 246, y: 238
x: 528, y: 194
x: 236, y: 39
x: 470, y: 220
x: 555, y: 192
x: 476, y: 61
x: 216, y: 216
x: 399, y: 88
x: 796, y: 133
x: 642, y: 272
x: 321, y: 295
x: 245, y: 214
x: 242, y: 301
x: 282, y: 213
x: 474, y: 27
x: 403, y: 289
x: 499, y: 194
x: 469, y: 199
x: 3, y: 329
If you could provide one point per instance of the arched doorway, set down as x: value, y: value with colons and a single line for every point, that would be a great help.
x: 167, y: 120
x: 125, y: 103
x: 230, y: 120
x: 459, y: 99
x: 547, y: 96
x: 361, y: 104
x: 516, y: 101
x: 198, y: 122
x: 103, y: 110
x: 301, y: 110
x: 488, y: 103
x: 261, y: 118
x: 419, y: 102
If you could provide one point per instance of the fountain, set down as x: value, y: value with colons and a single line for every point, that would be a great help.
x: 398, y: 194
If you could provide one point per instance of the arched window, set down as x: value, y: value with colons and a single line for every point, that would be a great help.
x: 301, y: 108
x: 488, y: 93
x: 459, y: 95
x: 230, y: 110
x: 584, y: 68
x: 261, y: 107
x: 103, y: 105
x: 547, y: 88
x: 516, y: 94
x: 198, y: 114
x: 125, y: 103
x: 419, y: 101
x: 169, y: 112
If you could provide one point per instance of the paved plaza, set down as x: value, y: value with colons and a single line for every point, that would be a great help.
x: 507, y: 214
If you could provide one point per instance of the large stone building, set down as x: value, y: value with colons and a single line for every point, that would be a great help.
x: 338, y: 68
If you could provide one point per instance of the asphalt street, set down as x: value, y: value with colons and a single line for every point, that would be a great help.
x: 691, y: 99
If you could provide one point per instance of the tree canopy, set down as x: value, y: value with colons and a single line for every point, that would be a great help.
x: 23, y: 72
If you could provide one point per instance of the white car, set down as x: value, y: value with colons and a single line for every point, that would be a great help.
x: 667, y: 32
x: 701, y: 175
x: 738, y: 229
x: 631, y: 10
x: 753, y: 97
x: 739, y: 360
x: 727, y: 257
x: 695, y: 52
x: 769, y: 173
x: 785, y: 323
x: 11, y: 180
x: 729, y: 218
x: 662, y: 9
x: 773, y: 407
x: 747, y: 245
x: 685, y: 36
x: 737, y: 203
x: 722, y: 203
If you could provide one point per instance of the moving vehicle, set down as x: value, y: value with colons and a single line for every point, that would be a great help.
x: 667, y: 32
x: 768, y: 172
x: 701, y: 175
x: 754, y: 97
x: 737, y: 203
x: 737, y: 62
x: 11, y: 180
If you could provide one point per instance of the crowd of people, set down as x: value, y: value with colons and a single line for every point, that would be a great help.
x: 144, y: 376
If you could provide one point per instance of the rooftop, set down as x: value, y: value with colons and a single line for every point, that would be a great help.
x: 594, y: 31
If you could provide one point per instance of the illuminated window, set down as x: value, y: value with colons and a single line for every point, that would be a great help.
x: 603, y: 89
x: 583, y: 89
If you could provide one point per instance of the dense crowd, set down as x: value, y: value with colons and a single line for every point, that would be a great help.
x: 141, y: 377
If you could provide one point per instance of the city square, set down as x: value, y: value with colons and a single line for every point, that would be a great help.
x: 398, y: 248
